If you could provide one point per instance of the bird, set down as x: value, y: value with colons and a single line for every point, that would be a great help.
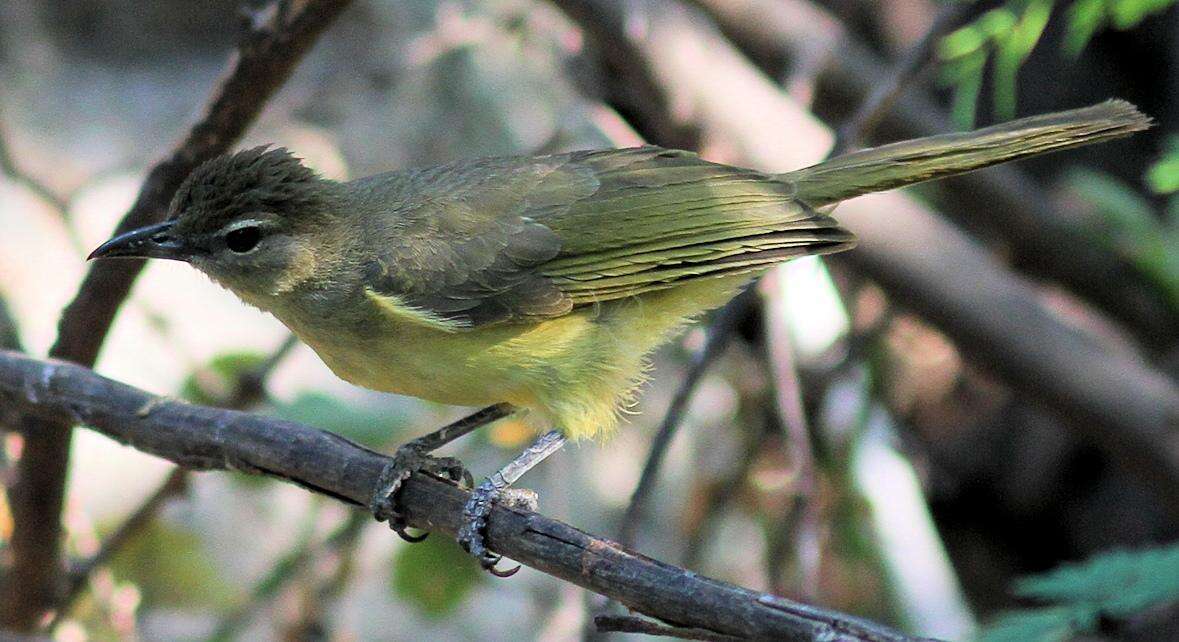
x: 536, y: 284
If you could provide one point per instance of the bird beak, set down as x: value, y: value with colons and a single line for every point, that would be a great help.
x: 151, y: 242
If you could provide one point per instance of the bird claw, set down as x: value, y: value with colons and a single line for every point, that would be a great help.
x: 475, y: 513
x: 408, y: 460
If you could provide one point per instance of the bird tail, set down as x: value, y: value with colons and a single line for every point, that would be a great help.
x: 899, y: 164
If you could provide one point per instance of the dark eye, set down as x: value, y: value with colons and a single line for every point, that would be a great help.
x: 243, y: 239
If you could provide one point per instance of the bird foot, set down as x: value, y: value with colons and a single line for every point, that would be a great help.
x: 478, y: 507
x: 406, y: 461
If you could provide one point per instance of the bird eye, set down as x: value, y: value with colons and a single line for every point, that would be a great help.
x: 243, y: 239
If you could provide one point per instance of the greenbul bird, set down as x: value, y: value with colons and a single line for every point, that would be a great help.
x: 534, y: 283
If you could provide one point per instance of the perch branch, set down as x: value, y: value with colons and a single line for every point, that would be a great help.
x: 206, y: 438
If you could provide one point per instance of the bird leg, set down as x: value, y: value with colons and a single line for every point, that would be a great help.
x: 495, y: 488
x: 415, y: 456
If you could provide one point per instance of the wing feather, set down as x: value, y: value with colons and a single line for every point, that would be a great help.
x: 511, y: 239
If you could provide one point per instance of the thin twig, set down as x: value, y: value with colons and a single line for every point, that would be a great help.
x: 903, y: 73
x: 719, y: 332
x: 267, y: 55
x: 286, y: 569
x: 174, y: 485
x: 205, y: 438
x: 250, y: 387
x: 719, y: 495
x: 802, y: 523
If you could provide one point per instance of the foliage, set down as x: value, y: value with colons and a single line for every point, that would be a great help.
x: 1077, y: 597
x: 364, y: 425
x: 1007, y: 35
x: 1129, y: 224
x: 215, y: 382
x: 434, y: 575
x: 171, y: 567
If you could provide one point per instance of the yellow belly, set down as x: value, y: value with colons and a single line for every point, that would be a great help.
x: 578, y: 371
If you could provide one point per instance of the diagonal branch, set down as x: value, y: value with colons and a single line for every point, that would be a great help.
x: 206, y: 438
x: 277, y: 39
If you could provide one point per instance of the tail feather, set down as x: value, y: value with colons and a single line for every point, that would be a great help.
x: 899, y: 164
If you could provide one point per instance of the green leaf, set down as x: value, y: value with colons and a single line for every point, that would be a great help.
x: 1124, y: 211
x: 1163, y: 175
x: 1114, y: 585
x: 1117, y: 584
x: 172, y: 568
x: 1083, y: 19
x: 215, y: 382
x: 1015, y: 45
x: 1130, y: 228
x: 434, y: 575
x: 364, y: 425
x: 1032, y: 625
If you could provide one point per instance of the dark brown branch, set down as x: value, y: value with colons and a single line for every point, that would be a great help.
x: 1114, y: 399
x: 268, y: 53
x: 205, y: 438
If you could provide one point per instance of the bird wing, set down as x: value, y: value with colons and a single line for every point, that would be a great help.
x: 513, y: 239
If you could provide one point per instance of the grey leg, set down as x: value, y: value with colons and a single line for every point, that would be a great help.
x: 415, y: 455
x: 478, y: 507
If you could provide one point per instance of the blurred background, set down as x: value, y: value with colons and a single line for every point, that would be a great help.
x: 861, y: 441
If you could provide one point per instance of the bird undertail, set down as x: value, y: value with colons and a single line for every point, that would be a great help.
x: 905, y: 163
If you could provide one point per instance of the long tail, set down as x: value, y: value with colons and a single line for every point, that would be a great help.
x: 899, y: 164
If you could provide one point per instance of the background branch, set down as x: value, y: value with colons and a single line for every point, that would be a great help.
x: 206, y: 438
x: 275, y: 42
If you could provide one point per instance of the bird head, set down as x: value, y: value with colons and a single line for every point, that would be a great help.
x: 250, y: 220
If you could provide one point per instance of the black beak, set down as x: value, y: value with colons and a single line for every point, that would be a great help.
x: 151, y: 242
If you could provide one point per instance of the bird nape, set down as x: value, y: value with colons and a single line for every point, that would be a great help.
x: 534, y: 284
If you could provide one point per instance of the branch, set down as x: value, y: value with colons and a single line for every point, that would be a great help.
x: 277, y: 39
x: 205, y: 438
x: 1115, y: 400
